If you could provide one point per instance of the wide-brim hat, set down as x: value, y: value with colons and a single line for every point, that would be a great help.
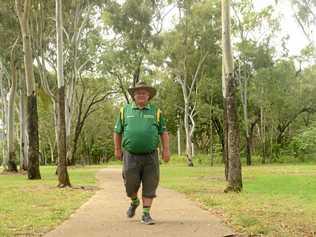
x: 142, y: 85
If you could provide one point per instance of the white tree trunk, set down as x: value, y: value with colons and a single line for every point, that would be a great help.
x: 179, y: 140
x: 51, y: 148
x: 192, y: 147
x: 188, y: 141
x: 4, y: 120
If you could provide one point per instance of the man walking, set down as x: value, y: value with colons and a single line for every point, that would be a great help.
x: 136, y: 138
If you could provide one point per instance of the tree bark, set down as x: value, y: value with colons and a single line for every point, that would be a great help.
x: 234, y: 166
x: 33, y: 144
x: 63, y: 177
x: 23, y: 9
x: 234, y: 174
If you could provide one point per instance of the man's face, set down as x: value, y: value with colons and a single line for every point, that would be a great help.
x: 141, y: 96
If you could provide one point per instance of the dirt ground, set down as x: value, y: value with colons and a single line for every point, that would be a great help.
x: 105, y: 215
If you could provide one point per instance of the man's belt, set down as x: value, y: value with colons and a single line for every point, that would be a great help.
x: 144, y: 153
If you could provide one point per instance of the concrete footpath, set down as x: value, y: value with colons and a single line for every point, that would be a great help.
x: 104, y: 215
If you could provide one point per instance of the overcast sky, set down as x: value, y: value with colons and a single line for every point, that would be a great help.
x: 289, y: 26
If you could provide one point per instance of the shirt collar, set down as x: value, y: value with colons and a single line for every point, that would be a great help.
x: 134, y: 106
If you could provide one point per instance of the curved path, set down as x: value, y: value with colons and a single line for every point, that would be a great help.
x: 104, y: 215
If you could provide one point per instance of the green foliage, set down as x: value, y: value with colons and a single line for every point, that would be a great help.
x: 304, y: 142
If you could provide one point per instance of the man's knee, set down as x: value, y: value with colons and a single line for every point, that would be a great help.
x: 132, y: 184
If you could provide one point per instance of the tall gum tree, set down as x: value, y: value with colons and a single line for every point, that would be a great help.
x: 63, y: 176
x: 229, y: 93
x: 23, y: 10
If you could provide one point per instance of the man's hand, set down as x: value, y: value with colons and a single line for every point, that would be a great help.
x: 118, y: 154
x: 165, y: 155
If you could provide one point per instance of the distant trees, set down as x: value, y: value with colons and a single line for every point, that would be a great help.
x: 108, y: 46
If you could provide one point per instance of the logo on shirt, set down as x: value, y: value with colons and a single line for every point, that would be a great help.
x: 148, y: 116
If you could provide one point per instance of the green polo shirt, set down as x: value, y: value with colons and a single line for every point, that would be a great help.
x: 140, y: 128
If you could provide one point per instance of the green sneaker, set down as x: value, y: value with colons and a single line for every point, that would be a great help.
x: 131, y: 210
x: 147, y: 220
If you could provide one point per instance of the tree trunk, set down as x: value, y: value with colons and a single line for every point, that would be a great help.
x: 234, y: 173
x: 192, y: 147
x: 23, y: 9
x: 12, y: 167
x: 23, y: 122
x: 187, y: 135
x: 244, y: 99
x: 33, y: 144
x: 248, y: 150
x: 225, y: 123
x: 63, y: 177
x: 51, y: 149
x: 263, y: 136
x: 225, y: 150
x: 179, y: 140
x: 4, y: 119
x: 211, y: 132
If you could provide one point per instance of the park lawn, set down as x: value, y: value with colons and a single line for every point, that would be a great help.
x: 32, y: 207
x: 277, y: 200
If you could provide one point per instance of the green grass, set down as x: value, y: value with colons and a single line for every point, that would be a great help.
x: 277, y: 200
x: 32, y: 207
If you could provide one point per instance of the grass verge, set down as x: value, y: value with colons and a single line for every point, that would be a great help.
x: 33, y: 207
x: 277, y: 200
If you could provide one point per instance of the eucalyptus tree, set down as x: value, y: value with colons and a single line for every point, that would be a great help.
x: 23, y: 10
x: 188, y: 54
x: 229, y: 93
x: 80, y: 49
x: 63, y: 176
x: 91, y: 93
x: 253, y: 52
x: 10, y: 54
x: 134, y: 28
x: 305, y: 15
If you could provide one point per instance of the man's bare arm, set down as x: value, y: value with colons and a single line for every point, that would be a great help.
x: 165, y: 146
x: 117, y: 145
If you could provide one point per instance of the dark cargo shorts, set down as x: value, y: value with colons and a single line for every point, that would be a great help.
x: 141, y: 169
